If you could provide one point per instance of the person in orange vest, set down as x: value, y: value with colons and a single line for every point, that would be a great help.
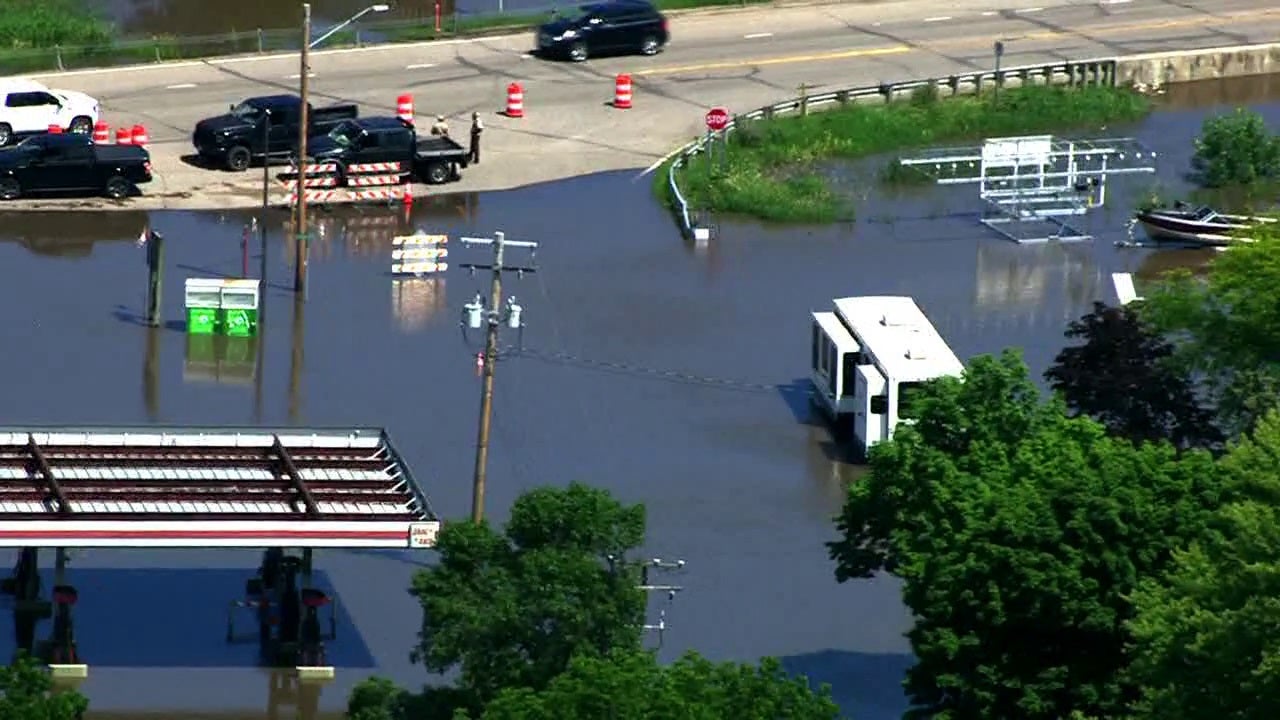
x: 477, y: 127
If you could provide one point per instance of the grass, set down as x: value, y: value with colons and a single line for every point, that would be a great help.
x: 773, y: 171
x: 48, y: 35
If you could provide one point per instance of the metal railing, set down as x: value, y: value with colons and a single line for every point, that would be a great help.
x: 420, y: 26
x: 1076, y: 73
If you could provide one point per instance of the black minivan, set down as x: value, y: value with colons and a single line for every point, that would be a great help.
x: 605, y: 28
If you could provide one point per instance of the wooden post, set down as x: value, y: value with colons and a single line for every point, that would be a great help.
x: 803, y: 91
x: 155, y: 279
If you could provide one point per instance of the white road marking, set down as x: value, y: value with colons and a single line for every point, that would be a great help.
x: 298, y: 76
x: 180, y: 86
x: 940, y: 18
x: 989, y: 13
x: 1029, y: 10
x: 419, y: 66
x: 757, y: 36
x: 1115, y: 2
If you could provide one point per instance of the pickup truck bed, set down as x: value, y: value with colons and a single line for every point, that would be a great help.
x: 437, y: 159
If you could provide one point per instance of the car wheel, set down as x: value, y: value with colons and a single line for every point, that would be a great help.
x: 6, y: 134
x: 238, y: 158
x: 437, y: 173
x: 81, y: 125
x: 10, y: 189
x: 578, y: 51
x: 650, y: 45
x: 117, y: 188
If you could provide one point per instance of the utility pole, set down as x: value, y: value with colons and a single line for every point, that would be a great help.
x: 616, y: 564
x: 474, y: 315
x: 304, y: 123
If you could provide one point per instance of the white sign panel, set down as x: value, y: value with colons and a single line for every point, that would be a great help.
x: 423, y: 534
x: 1016, y: 151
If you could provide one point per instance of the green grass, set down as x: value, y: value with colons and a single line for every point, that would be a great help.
x: 47, y: 35
x: 772, y: 169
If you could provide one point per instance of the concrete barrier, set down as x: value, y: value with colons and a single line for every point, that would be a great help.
x: 1155, y: 69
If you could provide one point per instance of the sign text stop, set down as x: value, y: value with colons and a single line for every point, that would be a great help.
x: 717, y: 119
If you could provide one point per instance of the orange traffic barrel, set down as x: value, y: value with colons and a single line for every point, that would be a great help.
x: 515, y: 100
x: 404, y: 108
x: 622, y: 91
x: 101, y: 133
x: 138, y: 136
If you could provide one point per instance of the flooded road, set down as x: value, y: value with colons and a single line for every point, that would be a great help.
x: 673, y: 375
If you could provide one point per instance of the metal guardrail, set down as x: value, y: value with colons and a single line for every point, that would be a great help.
x: 1075, y: 73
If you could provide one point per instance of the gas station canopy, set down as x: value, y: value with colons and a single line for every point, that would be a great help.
x: 194, y: 487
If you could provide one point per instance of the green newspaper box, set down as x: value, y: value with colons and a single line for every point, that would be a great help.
x: 203, y: 299
x: 238, y: 315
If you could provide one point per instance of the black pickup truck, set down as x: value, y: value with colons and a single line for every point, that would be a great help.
x: 261, y: 128
x: 433, y: 159
x: 71, y: 163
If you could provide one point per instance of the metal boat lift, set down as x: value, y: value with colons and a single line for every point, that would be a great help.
x: 1031, y: 185
x: 290, y: 489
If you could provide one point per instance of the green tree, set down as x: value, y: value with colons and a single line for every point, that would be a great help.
x: 509, y: 610
x: 633, y: 686
x: 1236, y: 149
x: 1018, y: 532
x: 1226, y: 328
x: 1120, y: 374
x: 1206, y: 642
x: 26, y: 693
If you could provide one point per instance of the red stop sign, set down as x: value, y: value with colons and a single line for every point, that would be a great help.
x: 717, y: 119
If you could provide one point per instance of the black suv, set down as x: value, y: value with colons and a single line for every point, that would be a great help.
x: 605, y: 28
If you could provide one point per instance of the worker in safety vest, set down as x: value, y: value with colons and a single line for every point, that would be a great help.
x: 441, y: 127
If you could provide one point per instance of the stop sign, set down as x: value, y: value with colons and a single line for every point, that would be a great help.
x: 717, y: 119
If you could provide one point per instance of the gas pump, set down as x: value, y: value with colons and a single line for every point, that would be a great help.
x: 287, y: 611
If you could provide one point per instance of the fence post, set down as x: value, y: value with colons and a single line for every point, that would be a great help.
x: 57, y: 51
x: 259, y: 41
x: 804, y: 99
x: 155, y: 40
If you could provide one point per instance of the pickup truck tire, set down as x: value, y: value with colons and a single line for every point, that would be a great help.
x: 81, y: 124
x: 10, y: 189
x: 6, y: 134
x: 238, y: 158
x: 436, y: 173
x: 117, y: 188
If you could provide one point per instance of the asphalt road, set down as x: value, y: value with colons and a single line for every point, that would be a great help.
x: 740, y: 58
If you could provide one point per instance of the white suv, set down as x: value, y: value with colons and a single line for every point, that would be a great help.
x: 29, y: 108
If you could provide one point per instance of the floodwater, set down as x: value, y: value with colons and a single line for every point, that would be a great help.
x: 176, y: 17
x: 671, y: 374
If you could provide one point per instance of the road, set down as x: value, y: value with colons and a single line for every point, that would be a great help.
x: 738, y: 58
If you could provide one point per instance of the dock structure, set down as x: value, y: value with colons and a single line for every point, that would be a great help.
x: 868, y: 356
x: 288, y: 490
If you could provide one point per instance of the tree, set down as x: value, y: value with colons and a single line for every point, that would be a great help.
x: 1121, y: 376
x: 1226, y: 328
x: 1018, y: 532
x: 510, y: 610
x: 633, y: 686
x: 26, y: 693
x: 1205, y: 637
x: 1236, y: 149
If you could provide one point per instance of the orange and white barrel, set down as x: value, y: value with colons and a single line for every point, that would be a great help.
x: 515, y: 100
x: 404, y: 108
x: 124, y: 136
x: 622, y: 91
x: 101, y: 133
x: 138, y: 136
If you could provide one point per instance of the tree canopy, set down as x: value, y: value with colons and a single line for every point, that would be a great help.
x: 545, y: 619
x: 1018, y: 532
x: 1236, y: 149
x: 1206, y: 639
x: 26, y: 693
x: 634, y: 686
x: 1120, y: 373
x: 1226, y: 328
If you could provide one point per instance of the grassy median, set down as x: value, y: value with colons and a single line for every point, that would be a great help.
x: 774, y: 171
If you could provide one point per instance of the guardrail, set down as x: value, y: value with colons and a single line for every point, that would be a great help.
x: 1077, y: 74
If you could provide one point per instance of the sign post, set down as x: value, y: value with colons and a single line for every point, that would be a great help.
x: 717, y: 120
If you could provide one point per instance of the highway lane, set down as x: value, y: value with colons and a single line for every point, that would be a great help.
x: 742, y: 59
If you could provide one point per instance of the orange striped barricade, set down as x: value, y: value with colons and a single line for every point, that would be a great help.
x: 359, y: 182
x: 320, y: 185
x: 419, y: 254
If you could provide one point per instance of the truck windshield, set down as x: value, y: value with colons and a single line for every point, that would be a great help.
x: 245, y: 111
x: 346, y: 134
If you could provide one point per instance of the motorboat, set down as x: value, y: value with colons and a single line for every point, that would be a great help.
x: 1197, y: 225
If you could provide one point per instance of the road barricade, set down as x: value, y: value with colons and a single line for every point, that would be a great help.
x: 327, y: 183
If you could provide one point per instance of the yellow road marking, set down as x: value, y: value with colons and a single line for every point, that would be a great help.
x: 1083, y: 32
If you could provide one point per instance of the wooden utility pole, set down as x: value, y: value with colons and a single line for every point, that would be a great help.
x: 493, y: 318
x: 304, y: 123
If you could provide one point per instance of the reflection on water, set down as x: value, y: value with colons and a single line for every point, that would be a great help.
x: 1254, y: 90
x: 220, y: 359
x: 1025, y: 281
x: 414, y: 301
